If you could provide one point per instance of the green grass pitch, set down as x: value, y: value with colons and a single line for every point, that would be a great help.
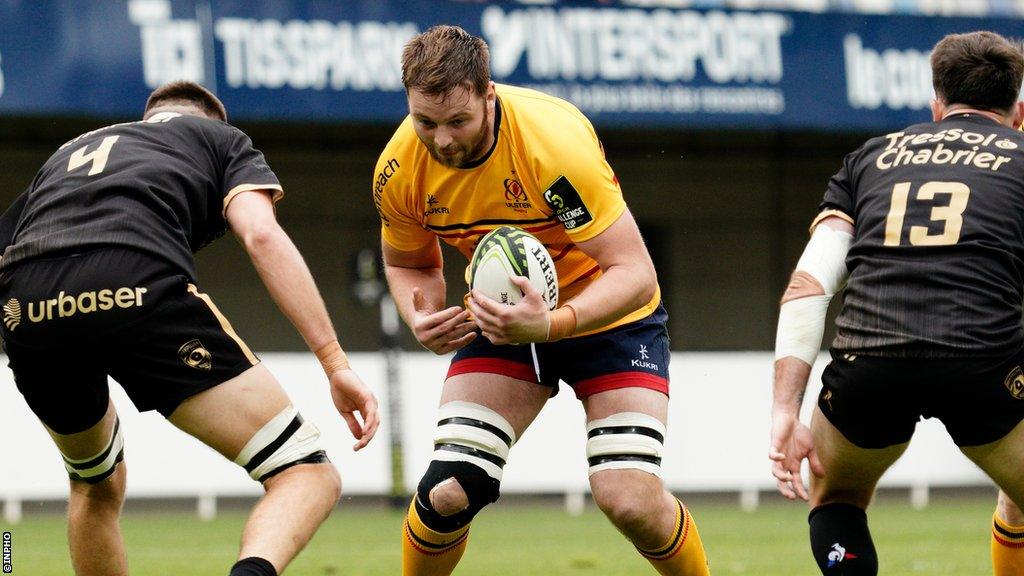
x: 950, y: 537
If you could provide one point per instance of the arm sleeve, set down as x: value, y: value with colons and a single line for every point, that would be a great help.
x: 839, y: 200
x: 245, y: 169
x: 583, y: 191
x: 399, y: 225
x: 9, y: 220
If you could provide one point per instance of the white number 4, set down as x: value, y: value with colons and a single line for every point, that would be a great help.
x: 98, y: 157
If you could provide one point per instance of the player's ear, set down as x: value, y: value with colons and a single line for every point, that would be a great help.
x: 490, y: 95
x: 938, y: 109
x: 1018, y: 115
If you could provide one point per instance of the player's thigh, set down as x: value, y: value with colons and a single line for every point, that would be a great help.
x: 89, y: 442
x: 68, y: 392
x: 635, y: 399
x: 851, y: 472
x: 517, y: 401
x: 1003, y: 461
x: 225, y: 417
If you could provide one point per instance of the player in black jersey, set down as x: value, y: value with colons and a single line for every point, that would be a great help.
x: 98, y: 279
x: 925, y: 226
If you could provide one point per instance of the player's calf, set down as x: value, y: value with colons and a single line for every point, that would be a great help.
x: 1007, y: 541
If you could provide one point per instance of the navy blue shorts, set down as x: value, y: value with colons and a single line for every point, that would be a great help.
x: 634, y: 355
x: 70, y: 322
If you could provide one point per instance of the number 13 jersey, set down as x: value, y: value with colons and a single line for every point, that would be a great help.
x: 937, y: 260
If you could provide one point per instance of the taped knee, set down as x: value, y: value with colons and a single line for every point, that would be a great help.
x: 95, y: 469
x: 286, y: 440
x: 471, y: 445
x: 625, y: 440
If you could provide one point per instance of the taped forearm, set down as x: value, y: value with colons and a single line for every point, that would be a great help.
x: 802, y: 315
x: 801, y: 327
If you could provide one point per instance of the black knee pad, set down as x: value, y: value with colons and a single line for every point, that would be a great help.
x: 480, y: 489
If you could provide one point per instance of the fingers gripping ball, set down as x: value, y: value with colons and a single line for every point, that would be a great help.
x: 508, y: 251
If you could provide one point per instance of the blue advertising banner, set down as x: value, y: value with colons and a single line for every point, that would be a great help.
x: 629, y: 66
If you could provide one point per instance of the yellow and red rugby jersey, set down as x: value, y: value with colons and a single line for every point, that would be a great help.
x: 546, y: 174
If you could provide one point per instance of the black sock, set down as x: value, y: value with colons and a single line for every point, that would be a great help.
x: 841, y: 542
x: 253, y: 566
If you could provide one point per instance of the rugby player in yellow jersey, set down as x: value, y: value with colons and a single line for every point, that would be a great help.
x: 472, y: 156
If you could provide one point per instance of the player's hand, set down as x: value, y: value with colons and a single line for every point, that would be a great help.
x: 441, y: 332
x: 526, y: 321
x: 350, y: 395
x: 791, y: 444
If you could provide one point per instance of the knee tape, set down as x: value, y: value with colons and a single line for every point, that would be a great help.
x: 96, y: 468
x: 625, y: 440
x: 474, y: 434
x: 283, y: 442
x: 471, y: 445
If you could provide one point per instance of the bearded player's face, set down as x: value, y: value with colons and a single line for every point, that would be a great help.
x: 456, y: 128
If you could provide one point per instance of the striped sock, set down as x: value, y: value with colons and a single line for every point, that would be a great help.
x: 429, y: 553
x: 1007, y: 548
x: 683, y: 554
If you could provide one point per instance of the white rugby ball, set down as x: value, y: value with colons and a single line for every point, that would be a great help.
x: 509, y: 251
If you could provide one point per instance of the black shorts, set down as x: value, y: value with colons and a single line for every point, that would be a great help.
x: 69, y: 323
x: 633, y: 355
x: 876, y: 402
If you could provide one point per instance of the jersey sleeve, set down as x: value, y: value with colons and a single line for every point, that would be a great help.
x: 9, y: 220
x: 582, y: 190
x: 839, y: 200
x: 399, y: 226
x: 246, y: 169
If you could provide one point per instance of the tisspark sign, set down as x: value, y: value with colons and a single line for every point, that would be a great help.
x: 624, y: 64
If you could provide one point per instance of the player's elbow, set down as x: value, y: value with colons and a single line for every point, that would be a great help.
x: 801, y: 285
x: 646, y: 279
x: 263, y: 236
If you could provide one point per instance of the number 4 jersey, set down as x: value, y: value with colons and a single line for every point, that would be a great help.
x: 159, y: 186
x: 936, y: 265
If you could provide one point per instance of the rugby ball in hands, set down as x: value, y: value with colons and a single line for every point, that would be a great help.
x: 509, y: 251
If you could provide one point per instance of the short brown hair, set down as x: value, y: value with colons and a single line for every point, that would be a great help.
x: 980, y: 69
x: 184, y: 91
x: 444, y: 58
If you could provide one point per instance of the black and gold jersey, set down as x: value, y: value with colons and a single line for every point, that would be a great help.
x: 937, y: 260
x: 159, y: 186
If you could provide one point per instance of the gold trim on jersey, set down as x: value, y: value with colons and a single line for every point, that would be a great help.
x: 829, y: 213
x: 224, y: 324
x: 276, y: 193
x: 548, y: 223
